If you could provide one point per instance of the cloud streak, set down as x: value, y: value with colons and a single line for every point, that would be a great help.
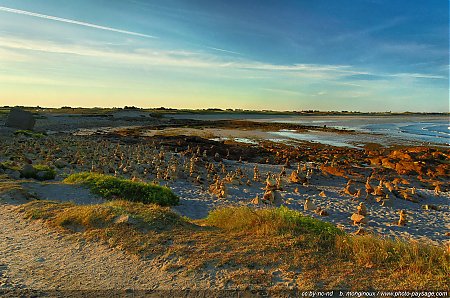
x: 74, y: 22
x: 146, y: 57
x: 225, y: 51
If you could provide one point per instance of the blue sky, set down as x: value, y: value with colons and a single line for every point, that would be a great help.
x: 365, y: 55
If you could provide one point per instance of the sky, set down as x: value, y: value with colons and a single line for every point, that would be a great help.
x: 355, y: 55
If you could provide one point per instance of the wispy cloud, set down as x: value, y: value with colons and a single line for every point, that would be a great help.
x: 418, y: 76
x: 225, y: 51
x: 178, y: 59
x: 68, y: 21
x: 147, y: 57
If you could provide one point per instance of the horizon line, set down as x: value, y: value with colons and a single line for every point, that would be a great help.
x: 224, y: 110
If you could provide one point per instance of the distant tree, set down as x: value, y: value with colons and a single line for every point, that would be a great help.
x: 131, y: 108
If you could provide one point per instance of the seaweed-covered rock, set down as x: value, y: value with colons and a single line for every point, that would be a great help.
x: 28, y: 171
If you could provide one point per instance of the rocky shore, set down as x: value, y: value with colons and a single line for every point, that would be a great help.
x: 390, y: 191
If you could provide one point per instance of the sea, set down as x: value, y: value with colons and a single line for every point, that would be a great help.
x: 423, y: 129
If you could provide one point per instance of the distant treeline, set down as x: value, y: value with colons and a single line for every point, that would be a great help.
x: 164, y: 110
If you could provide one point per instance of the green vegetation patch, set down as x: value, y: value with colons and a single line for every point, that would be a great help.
x: 86, y: 217
x: 9, y: 165
x: 29, y: 133
x: 273, y: 222
x: 110, y: 187
x: 278, y: 221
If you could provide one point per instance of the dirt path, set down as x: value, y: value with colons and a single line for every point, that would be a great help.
x: 34, y: 257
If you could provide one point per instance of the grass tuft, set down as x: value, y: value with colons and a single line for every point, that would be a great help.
x: 308, y: 232
x: 366, y: 251
x: 29, y: 133
x: 111, y: 187
x: 410, y: 255
x: 269, y: 221
x: 9, y: 165
x: 102, y: 215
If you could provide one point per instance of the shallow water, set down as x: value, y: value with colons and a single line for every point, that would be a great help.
x: 423, y: 128
x: 426, y: 129
x: 327, y: 139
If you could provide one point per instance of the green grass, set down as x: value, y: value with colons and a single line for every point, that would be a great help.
x: 110, y: 187
x: 9, y: 165
x: 29, y: 133
x: 277, y: 221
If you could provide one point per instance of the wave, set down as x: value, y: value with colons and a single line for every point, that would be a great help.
x: 436, y: 132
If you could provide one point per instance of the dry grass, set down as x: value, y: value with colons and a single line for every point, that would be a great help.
x: 102, y: 215
x: 12, y: 189
x: 409, y: 256
x: 270, y: 221
x: 7, y: 184
x: 251, y: 244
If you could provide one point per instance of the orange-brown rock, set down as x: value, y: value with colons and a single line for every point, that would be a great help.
x: 321, y: 212
x: 408, y: 167
x: 369, y: 188
x: 402, y: 219
x: 294, y: 178
x: 333, y: 170
x: 361, y: 209
x: 387, y: 163
x: 375, y: 161
x: 358, y: 219
x: 400, y: 155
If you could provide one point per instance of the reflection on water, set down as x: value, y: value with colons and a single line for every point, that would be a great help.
x: 327, y: 139
x: 239, y: 140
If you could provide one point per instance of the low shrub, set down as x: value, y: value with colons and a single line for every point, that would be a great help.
x: 110, y: 187
x: 9, y: 165
x: 102, y: 215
